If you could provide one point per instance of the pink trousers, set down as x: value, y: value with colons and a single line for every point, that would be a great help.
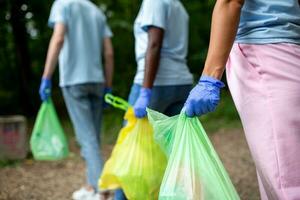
x: 264, y: 81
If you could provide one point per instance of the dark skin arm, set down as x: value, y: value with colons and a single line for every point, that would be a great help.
x: 108, y: 61
x: 155, y: 40
x: 225, y: 20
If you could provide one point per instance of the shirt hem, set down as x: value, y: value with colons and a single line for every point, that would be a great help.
x: 266, y: 41
x: 169, y: 83
x: 78, y: 83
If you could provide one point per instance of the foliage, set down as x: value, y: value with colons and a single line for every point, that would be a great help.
x: 224, y: 118
x: 121, y: 15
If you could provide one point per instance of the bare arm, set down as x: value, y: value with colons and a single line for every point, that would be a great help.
x: 109, y: 61
x: 56, y: 43
x: 225, y: 20
x: 155, y: 40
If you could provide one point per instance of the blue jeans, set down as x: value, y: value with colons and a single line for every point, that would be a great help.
x: 168, y: 100
x: 84, y: 104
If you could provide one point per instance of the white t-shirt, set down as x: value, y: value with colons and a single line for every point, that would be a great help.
x: 80, y: 57
x: 171, y: 16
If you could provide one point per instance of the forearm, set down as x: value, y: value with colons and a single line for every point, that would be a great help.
x: 225, y: 20
x: 108, y: 61
x: 109, y: 70
x: 151, y: 65
x: 52, y: 57
x: 152, y: 58
x: 55, y: 45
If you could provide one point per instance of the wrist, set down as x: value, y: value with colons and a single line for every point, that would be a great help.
x: 211, y: 80
x: 108, y: 84
x: 46, y: 78
x: 215, y: 72
x: 107, y: 89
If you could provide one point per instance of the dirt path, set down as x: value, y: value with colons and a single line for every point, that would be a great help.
x: 57, y: 180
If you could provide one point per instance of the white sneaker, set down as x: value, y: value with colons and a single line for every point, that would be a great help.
x: 83, y: 194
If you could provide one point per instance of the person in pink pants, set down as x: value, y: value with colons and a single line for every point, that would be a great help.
x: 258, y: 42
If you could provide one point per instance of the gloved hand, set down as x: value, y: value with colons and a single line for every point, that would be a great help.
x: 107, y: 90
x: 45, y: 89
x: 142, y: 102
x: 204, y: 97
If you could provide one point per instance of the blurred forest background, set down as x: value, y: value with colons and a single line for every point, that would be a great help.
x: 24, y: 38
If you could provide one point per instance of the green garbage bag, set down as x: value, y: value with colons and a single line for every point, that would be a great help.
x: 48, y: 141
x: 194, y: 170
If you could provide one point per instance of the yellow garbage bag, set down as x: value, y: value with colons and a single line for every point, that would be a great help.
x: 137, y: 163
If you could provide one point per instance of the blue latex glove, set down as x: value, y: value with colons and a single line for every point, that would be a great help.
x: 204, y: 97
x: 45, y: 89
x: 142, y: 102
x: 107, y: 90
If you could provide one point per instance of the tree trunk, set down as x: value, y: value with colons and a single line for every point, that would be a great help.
x: 22, y: 54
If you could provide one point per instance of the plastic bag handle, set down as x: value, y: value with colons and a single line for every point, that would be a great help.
x: 116, y: 102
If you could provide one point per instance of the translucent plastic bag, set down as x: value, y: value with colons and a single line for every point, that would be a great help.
x: 194, y: 170
x: 137, y: 163
x: 48, y: 141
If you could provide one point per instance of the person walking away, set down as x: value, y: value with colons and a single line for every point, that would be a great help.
x: 80, y: 37
x: 162, y: 81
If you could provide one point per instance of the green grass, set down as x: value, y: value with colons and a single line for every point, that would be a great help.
x: 225, y: 116
x: 9, y: 163
x: 112, y: 123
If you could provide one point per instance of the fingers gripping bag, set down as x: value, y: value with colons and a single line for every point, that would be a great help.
x: 48, y: 141
x: 137, y: 163
x: 194, y: 170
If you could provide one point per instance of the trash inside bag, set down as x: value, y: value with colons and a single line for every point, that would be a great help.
x: 194, y: 170
x: 137, y: 163
x: 48, y: 141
